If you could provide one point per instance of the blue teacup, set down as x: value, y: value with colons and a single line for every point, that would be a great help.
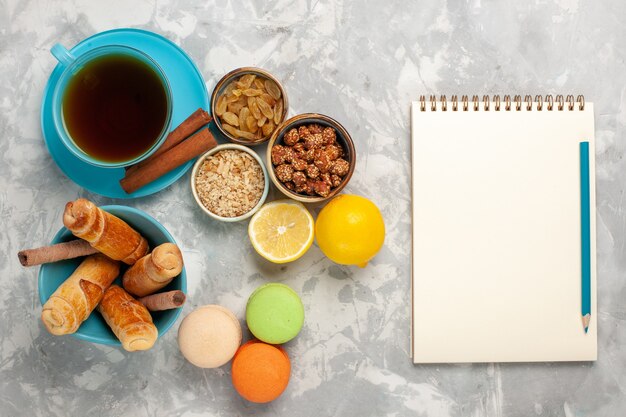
x: 72, y: 67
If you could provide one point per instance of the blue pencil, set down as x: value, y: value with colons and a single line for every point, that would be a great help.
x: 585, y: 230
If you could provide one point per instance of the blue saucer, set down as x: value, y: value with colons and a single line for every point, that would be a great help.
x: 188, y: 94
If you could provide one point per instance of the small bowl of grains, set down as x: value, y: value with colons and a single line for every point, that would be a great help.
x: 248, y: 105
x: 229, y: 182
x: 310, y: 157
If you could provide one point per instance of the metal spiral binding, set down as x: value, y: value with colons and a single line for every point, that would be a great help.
x: 557, y: 103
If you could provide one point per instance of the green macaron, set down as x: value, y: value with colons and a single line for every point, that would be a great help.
x: 274, y: 313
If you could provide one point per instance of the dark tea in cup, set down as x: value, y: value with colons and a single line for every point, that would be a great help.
x: 115, y: 108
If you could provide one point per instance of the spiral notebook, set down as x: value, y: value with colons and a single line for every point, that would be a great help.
x: 497, y: 229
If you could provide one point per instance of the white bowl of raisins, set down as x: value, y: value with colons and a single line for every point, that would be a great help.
x: 310, y: 157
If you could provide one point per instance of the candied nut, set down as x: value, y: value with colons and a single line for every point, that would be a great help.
x: 326, y: 178
x: 333, y: 152
x: 329, y: 135
x: 299, y: 164
x: 278, y: 154
x: 308, y: 156
x: 321, y: 188
x: 298, y: 147
x: 310, y: 187
x: 340, y: 167
x: 312, y: 171
x: 313, y: 141
x: 284, y: 172
x: 315, y: 157
x: 291, y: 138
x: 323, y: 162
x: 303, y: 131
x: 299, y: 179
x: 315, y: 128
x: 300, y: 154
x: 290, y: 185
x: 304, y: 188
x: 290, y: 155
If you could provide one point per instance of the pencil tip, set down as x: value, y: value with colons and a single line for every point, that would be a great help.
x: 586, y: 320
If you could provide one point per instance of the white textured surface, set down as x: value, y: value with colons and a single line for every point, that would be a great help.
x: 360, y: 62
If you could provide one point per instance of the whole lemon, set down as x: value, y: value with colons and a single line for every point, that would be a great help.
x: 350, y: 230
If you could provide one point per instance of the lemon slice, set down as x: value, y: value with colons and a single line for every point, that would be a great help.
x: 281, y: 231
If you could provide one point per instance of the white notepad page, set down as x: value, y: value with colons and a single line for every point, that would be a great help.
x: 497, y: 235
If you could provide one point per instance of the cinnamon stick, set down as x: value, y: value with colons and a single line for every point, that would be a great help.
x: 164, y: 300
x: 194, y: 122
x: 168, y: 160
x: 54, y: 253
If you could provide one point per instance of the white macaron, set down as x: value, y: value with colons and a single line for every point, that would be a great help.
x: 209, y: 336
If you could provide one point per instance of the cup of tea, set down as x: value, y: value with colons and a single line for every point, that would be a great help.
x: 112, y: 105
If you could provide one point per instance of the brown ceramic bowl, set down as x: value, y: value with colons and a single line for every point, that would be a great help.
x: 343, y: 139
x: 221, y: 86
